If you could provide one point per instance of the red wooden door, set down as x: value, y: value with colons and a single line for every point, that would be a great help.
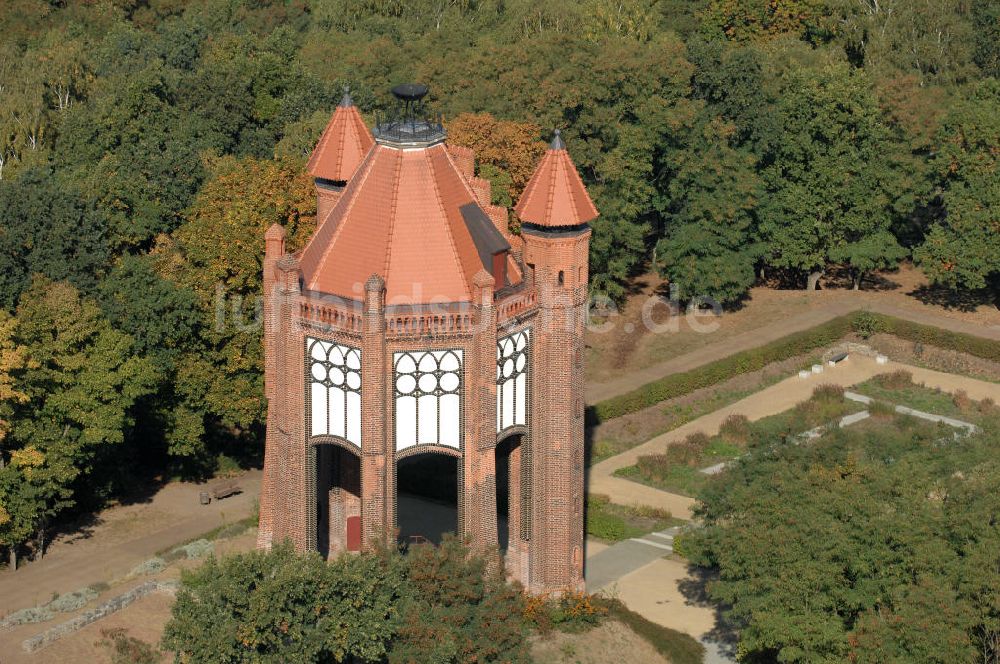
x: 354, y: 533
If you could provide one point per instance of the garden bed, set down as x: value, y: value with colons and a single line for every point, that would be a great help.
x: 681, y: 468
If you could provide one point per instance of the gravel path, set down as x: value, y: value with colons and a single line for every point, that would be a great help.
x: 123, y: 537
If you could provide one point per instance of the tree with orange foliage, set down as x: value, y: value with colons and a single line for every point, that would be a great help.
x: 506, y: 152
x: 218, y: 255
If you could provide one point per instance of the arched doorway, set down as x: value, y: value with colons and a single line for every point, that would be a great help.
x: 511, y: 487
x: 338, y: 500
x: 426, y: 496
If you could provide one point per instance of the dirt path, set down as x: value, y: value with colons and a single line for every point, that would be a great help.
x: 123, y: 537
x: 770, y: 401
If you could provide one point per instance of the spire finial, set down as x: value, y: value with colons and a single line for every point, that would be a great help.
x: 346, y: 100
x: 557, y: 141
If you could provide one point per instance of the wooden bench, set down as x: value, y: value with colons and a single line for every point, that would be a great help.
x: 226, y: 489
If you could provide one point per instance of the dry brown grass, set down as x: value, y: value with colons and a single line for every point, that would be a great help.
x: 610, y: 641
x: 962, y: 401
x: 735, y: 429
x: 894, y: 380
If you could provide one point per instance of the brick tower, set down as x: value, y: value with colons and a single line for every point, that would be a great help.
x: 414, y: 323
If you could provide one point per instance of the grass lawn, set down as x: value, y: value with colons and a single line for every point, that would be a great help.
x: 898, y: 388
x: 612, y: 523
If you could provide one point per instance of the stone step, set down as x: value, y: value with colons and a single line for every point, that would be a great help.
x: 658, y: 545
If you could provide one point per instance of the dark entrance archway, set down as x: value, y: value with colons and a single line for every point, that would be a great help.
x: 338, y: 500
x: 426, y: 496
x: 513, y: 500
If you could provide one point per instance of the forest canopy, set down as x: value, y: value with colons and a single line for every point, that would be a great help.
x: 146, y: 144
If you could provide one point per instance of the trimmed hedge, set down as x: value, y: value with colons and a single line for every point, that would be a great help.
x: 799, y: 343
x: 754, y: 359
x: 986, y: 349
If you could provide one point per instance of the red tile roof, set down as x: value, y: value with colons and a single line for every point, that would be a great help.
x: 555, y: 195
x: 410, y: 216
x: 343, y: 145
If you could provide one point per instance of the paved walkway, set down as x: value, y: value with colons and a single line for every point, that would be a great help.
x: 638, y: 572
x: 757, y: 337
x: 769, y: 401
x: 608, y: 565
x: 125, y: 537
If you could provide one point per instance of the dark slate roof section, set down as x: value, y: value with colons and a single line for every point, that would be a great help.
x: 485, y: 235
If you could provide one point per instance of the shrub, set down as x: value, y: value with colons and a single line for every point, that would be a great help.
x: 735, y: 429
x: 605, y: 526
x: 100, y: 587
x: 653, y: 465
x: 174, y: 555
x: 151, y: 566
x: 828, y: 394
x: 690, y: 452
x: 33, y: 614
x: 196, y: 549
x: 127, y: 649
x: 461, y: 609
x: 569, y: 612
x: 866, y: 324
x: 280, y: 606
x: 72, y: 601
x: 650, y: 512
x: 935, y: 336
x: 962, y: 401
x: 894, y: 380
x: 793, y: 345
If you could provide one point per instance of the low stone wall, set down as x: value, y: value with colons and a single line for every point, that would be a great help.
x: 113, y: 605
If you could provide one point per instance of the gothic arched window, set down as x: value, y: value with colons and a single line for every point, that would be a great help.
x: 512, y: 380
x: 428, y: 388
x: 334, y: 390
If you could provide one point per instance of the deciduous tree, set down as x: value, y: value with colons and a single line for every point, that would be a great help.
x: 710, y: 246
x: 962, y: 249
x: 828, y: 178
x: 280, y: 606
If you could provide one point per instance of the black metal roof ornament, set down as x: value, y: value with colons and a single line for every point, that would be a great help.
x: 557, y: 141
x: 410, y: 91
x: 407, y: 126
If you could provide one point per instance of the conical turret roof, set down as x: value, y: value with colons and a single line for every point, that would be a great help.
x: 410, y: 216
x: 343, y: 145
x: 555, y: 195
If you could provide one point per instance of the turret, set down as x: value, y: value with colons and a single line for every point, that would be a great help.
x: 555, y: 210
x: 343, y: 145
